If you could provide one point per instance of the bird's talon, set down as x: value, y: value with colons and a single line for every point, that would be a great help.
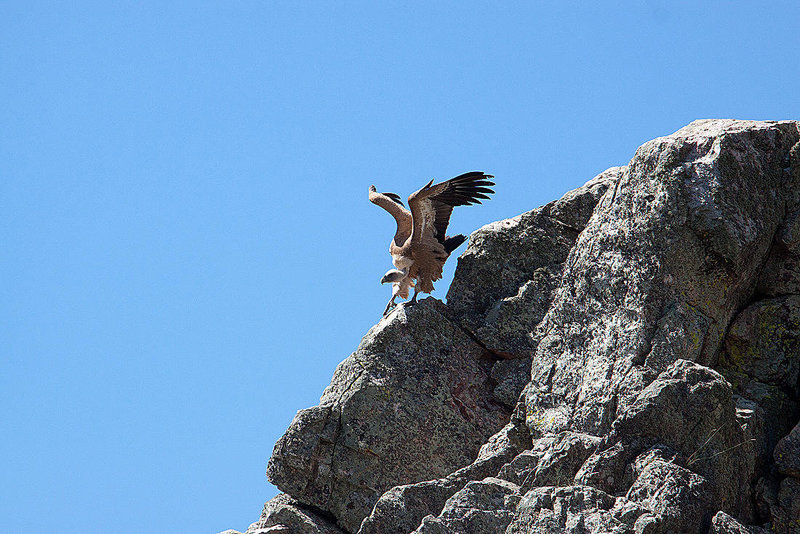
x: 389, y: 308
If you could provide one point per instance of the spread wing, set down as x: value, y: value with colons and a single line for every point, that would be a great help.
x: 391, y: 202
x: 432, y: 205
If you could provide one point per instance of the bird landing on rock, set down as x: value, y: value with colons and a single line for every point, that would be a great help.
x: 420, y: 246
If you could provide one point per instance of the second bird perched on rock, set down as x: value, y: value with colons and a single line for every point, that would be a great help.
x: 420, y: 246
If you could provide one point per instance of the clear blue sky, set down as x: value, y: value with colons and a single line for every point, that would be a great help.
x: 187, y: 249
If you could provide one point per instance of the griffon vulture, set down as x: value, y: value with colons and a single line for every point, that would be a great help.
x: 420, y: 246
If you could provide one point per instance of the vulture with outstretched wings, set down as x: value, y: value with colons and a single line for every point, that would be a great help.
x: 420, y: 246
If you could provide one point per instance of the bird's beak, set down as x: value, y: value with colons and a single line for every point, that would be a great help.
x: 372, y: 189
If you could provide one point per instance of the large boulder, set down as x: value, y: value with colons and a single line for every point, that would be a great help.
x: 569, y: 509
x: 665, y: 262
x: 413, y: 402
x: 689, y: 411
x: 402, y: 508
x: 481, y: 507
x: 284, y: 515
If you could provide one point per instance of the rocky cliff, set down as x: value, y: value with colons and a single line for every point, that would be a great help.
x: 624, y: 359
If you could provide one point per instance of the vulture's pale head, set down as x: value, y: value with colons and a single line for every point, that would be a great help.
x: 393, y: 275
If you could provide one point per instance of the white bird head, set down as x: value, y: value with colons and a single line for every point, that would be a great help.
x: 393, y: 275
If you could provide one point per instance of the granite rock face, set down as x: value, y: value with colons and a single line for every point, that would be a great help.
x: 622, y: 360
x: 505, y: 279
x: 688, y: 415
x: 414, y: 401
x: 402, y: 508
x: 667, y: 259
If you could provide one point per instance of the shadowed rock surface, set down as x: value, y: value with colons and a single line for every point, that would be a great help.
x: 622, y: 360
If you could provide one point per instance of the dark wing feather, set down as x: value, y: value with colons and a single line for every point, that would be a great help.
x: 466, y: 189
x: 463, y: 190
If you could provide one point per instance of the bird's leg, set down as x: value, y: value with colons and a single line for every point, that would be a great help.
x: 389, y: 306
x: 413, y: 298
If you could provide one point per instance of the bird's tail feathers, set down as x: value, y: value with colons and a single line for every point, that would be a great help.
x: 452, y: 243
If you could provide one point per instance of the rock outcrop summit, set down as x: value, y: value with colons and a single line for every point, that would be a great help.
x: 622, y: 360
